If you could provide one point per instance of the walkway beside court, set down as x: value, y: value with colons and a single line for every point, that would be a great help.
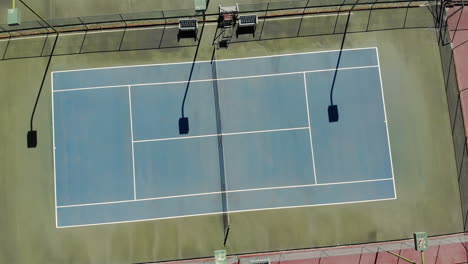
x: 448, y: 249
x: 454, y: 55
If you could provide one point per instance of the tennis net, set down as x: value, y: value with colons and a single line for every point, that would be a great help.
x: 224, y: 197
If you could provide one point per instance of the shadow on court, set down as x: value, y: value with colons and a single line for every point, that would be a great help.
x: 184, y: 126
x: 270, y: 26
x: 333, y: 114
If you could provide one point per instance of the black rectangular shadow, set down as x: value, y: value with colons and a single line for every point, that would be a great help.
x: 32, y: 139
x: 333, y: 113
x: 183, y: 125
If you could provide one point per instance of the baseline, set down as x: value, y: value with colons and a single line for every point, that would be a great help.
x: 230, y: 191
x: 211, y: 80
x: 209, y: 205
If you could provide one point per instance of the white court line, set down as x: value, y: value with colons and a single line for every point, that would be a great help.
x: 305, y: 185
x: 231, y: 191
x: 206, y: 24
x: 386, y: 122
x: 228, y: 191
x: 174, y: 138
x: 219, y: 79
x: 29, y: 37
x: 159, y: 27
x: 97, y: 31
x: 264, y: 131
x: 131, y: 135
x: 53, y: 148
x: 306, y: 16
x: 91, y: 88
x: 310, y: 128
x: 65, y: 34
x: 208, y: 61
x: 238, y: 211
x: 222, y: 134
x: 140, y: 200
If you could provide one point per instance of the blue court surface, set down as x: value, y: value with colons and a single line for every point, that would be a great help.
x: 259, y: 137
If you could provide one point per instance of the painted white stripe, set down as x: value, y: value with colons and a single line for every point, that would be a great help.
x: 140, y: 200
x: 386, y: 123
x: 160, y: 27
x: 223, y: 134
x: 136, y: 221
x: 146, y: 28
x: 91, y: 88
x: 208, y: 61
x: 53, y: 147
x: 231, y: 191
x: 306, y: 16
x: 310, y: 128
x: 174, y: 138
x: 264, y: 131
x: 239, y: 211
x: 28, y: 37
x: 219, y: 79
x: 96, y: 31
x: 281, y: 187
x: 131, y: 135
x: 306, y: 185
x: 212, y: 23
x: 65, y: 34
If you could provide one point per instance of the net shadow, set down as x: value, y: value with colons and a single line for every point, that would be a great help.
x: 219, y: 131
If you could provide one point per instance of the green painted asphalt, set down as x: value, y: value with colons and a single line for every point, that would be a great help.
x: 418, y: 122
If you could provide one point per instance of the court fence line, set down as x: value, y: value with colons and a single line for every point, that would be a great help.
x: 280, y: 8
x: 75, y: 32
x: 455, y: 100
x: 377, y: 251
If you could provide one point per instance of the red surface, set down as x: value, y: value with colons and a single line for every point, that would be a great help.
x: 460, y: 51
x: 464, y: 107
x: 351, y: 259
x: 455, y: 253
x: 454, y: 14
x: 445, y: 254
x: 458, y: 26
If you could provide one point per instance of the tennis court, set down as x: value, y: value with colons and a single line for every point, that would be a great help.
x: 259, y: 137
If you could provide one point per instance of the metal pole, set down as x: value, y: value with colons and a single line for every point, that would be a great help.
x: 422, y: 257
x: 32, y: 135
x: 13, y: 3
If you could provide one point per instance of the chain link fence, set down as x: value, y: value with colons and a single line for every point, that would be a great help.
x: 450, y: 247
x: 159, y: 29
x: 455, y: 96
